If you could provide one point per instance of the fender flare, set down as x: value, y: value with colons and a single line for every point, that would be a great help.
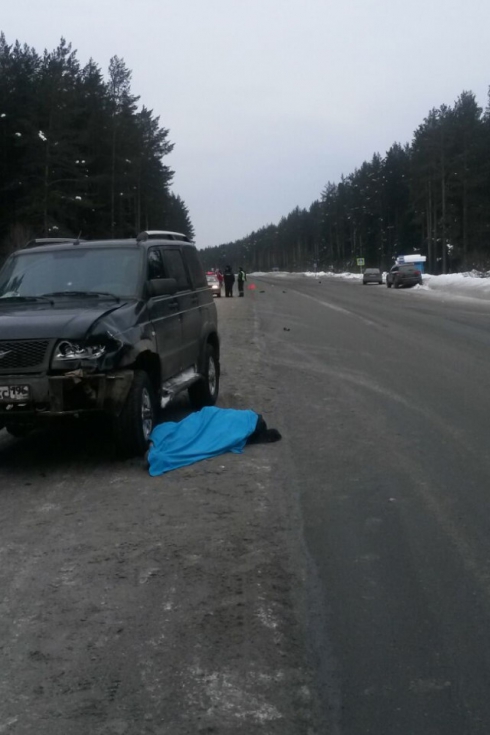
x: 208, y: 334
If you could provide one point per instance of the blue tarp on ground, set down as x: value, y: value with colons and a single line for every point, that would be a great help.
x: 204, y: 434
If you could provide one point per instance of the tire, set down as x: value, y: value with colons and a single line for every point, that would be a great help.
x: 19, y: 431
x: 396, y: 284
x: 133, y: 426
x: 205, y: 391
x: 388, y: 284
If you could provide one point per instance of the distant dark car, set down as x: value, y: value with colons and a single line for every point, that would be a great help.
x: 403, y: 275
x: 372, y: 275
x: 214, y: 284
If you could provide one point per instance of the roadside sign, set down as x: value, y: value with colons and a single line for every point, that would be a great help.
x: 360, y: 261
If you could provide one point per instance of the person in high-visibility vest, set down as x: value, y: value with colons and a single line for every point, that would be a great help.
x: 242, y: 277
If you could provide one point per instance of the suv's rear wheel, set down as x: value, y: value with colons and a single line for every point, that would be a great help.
x: 205, y: 391
x: 135, y: 423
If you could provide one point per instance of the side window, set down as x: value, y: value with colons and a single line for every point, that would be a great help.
x: 195, y: 268
x: 155, y: 264
x: 175, y: 268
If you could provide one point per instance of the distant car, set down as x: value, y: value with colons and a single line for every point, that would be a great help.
x: 403, y: 275
x: 214, y: 284
x: 372, y: 275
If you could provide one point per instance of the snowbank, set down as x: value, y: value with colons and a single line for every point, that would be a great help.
x: 472, y: 285
x: 348, y: 276
x: 274, y: 273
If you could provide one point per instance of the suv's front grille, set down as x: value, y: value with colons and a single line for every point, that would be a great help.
x: 25, y: 353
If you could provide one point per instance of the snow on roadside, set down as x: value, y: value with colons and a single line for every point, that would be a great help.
x: 345, y: 276
x: 472, y: 285
x: 280, y: 274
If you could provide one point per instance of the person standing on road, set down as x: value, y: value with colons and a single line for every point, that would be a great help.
x: 242, y: 277
x: 219, y: 276
x: 229, y: 279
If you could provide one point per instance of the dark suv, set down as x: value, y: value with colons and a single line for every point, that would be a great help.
x: 403, y: 275
x: 115, y: 326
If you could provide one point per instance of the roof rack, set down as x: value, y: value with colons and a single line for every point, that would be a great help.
x: 51, y: 241
x: 162, y: 235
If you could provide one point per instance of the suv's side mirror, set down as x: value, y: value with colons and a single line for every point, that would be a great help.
x: 161, y: 287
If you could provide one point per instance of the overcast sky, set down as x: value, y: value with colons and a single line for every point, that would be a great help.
x: 268, y: 100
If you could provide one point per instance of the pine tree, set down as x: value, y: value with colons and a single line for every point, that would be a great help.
x: 77, y: 155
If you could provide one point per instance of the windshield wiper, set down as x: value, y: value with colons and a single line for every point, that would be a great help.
x: 83, y: 294
x: 44, y: 297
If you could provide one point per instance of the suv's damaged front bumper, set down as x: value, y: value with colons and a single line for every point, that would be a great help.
x: 68, y: 394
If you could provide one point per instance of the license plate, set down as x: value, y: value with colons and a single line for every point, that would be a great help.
x: 14, y: 393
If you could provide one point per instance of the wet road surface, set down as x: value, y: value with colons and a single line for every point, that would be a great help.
x: 337, y: 582
x: 384, y: 398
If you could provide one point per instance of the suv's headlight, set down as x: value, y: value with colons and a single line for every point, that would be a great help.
x: 72, y: 354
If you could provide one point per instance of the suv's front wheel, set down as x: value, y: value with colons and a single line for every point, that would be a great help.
x: 20, y: 431
x: 205, y: 391
x: 135, y: 423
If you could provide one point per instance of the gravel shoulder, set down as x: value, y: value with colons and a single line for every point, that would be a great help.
x: 132, y: 605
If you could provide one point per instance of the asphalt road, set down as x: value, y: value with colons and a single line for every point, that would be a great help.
x: 334, y: 583
x: 384, y: 401
x: 132, y: 605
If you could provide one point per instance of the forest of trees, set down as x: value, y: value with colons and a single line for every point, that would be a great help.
x: 431, y: 196
x: 77, y: 153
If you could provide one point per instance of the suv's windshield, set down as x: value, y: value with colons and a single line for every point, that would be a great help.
x: 102, y: 270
